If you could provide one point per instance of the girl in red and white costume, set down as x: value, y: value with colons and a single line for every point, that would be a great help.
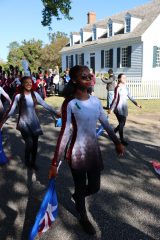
x: 82, y: 111
x: 120, y: 106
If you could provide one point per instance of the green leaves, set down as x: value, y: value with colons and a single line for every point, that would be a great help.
x: 55, y: 8
x: 36, y: 53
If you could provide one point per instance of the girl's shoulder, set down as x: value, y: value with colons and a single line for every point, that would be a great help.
x: 35, y: 93
x: 94, y: 99
x: 17, y: 95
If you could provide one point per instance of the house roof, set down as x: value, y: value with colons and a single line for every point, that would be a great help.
x: 147, y: 12
x: 75, y: 33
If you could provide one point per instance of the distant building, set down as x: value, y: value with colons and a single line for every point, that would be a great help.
x: 128, y: 42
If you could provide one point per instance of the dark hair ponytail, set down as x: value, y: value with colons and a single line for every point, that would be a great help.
x: 119, y: 77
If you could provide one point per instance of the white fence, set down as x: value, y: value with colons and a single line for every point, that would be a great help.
x: 138, y: 88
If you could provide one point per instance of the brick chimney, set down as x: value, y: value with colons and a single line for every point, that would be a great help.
x: 91, y: 17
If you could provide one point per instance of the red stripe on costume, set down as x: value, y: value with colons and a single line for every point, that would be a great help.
x: 117, y: 102
x: 69, y: 151
x: 64, y: 120
x: 115, y: 94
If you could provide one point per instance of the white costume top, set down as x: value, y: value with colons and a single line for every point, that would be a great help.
x: 83, y: 151
x: 28, y: 122
x: 119, y: 104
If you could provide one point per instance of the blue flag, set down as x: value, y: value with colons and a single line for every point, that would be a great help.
x: 58, y: 122
x: 3, y: 158
x: 47, y: 213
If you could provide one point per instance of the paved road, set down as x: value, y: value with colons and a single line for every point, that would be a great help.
x: 126, y: 208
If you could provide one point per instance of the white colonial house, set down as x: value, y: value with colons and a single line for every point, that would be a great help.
x: 127, y: 42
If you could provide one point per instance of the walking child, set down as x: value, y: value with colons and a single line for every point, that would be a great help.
x: 120, y: 106
x: 28, y: 122
x: 81, y: 148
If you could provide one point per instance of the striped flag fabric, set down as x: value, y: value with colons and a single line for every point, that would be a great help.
x: 3, y: 158
x: 47, y: 213
x: 156, y: 166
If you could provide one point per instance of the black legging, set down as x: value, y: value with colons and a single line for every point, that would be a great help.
x: 122, y: 121
x: 83, y: 189
x: 31, y: 146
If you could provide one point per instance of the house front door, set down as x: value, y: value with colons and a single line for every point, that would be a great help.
x: 92, y: 61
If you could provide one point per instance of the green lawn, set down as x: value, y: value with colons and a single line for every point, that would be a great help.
x: 148, y: 106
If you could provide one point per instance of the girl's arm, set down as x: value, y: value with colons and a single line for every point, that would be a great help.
x: 45, y: 105
x: 63, y: 138
x: 11, y: 110
x: 105, y: 123
x: 132, y: 99
x: 6, y: 95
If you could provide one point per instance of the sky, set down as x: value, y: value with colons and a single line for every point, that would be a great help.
x: 21, y: 19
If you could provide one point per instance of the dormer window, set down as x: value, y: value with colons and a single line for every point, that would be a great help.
x: 128, y: 24
x: 110, y: 28
x: 71, y: 37
x: 81, y: 36
x: 94, y: 34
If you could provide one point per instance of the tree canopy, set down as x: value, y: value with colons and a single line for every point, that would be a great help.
x: 36, y: 53
x: 55, y: 8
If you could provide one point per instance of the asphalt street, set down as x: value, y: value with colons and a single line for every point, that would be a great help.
x: 126, y: 208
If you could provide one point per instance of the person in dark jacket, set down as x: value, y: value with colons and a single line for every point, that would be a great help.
x: 110, y: 86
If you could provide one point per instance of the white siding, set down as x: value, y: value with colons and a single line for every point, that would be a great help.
x: 134, y: 22
x: 116, y: 27
x: 74, y: 38
x: 63, y: 59
x: 100, y: 31
x: 136, y: 61
x: 151, y: 38
x: 86, y: 35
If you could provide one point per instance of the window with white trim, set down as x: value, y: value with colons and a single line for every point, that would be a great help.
x: 80, y: 59
x: 128, y: 24
x: 94, y: 34
x: 69, y: 61
x: 158, y: 57
x: 124, y: 57
x: 110, y: 29
x: 82, y: 36
x: 107, y: 59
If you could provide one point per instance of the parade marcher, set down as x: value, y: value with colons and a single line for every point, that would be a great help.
x: 66, y: 77
x: 120, y: 106
x: 6, y: 96
x: 41, y: 86
x: 56, y: 79
x: 25, y: 66
x: 81, y: 149
x: 110, y: 86
x: 28, y: 122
